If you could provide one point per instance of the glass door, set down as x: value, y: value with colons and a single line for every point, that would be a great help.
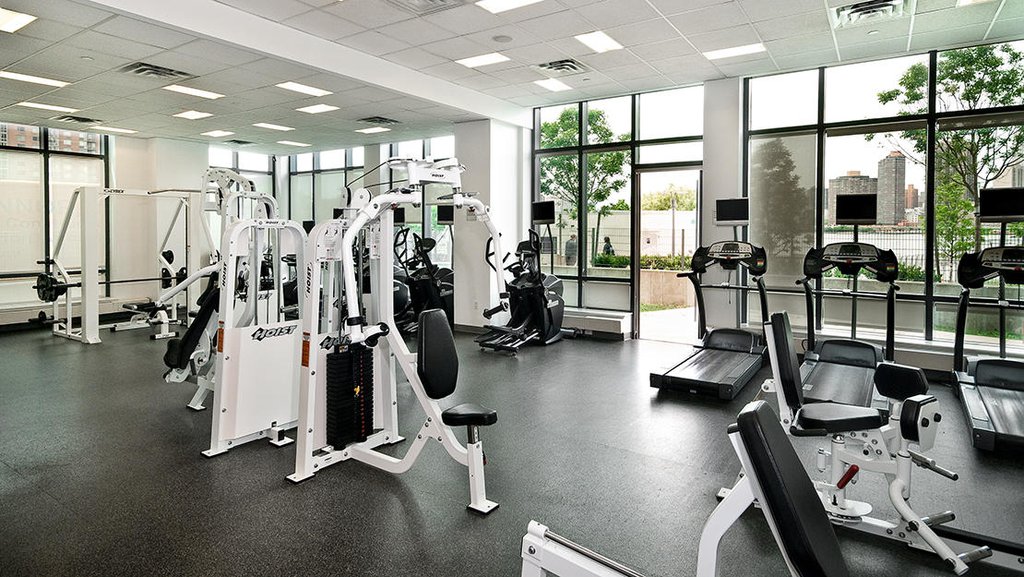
x: 668, y: 235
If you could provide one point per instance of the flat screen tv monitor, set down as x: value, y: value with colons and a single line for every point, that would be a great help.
x: 1001, y: 204
x: 399, y: 214
x: 856, y: 208
x: 308, y: 225
x: 732, y: 211
x: 543, y: 212
x: 446, y: 214
x: 338, y: 212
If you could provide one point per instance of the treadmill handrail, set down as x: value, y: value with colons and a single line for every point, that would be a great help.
x: 889, y: 352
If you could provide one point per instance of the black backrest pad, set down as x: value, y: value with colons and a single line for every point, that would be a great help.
x: 804, y: 529
x: 1001, y: 373
x: 731, y: 340
x: 849, y: 352
x: 789, y: 364
x: 900, y: 382
x: 179, y: 350
x: 438, y: 361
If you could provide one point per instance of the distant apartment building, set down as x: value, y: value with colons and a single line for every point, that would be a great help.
x: 853, y: 182
x: 912, y: 197
x: 1013, y: 177
x: 892, y: 188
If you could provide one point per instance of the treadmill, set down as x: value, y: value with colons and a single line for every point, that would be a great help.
x: 727, y: 359
x: 991, y: 389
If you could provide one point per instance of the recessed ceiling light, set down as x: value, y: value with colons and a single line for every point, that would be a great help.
x: 11, y: 21
x: 32, y: 79
x: 217, y: 133
x: 734, y: 51
x: 553, y: 84
x: 599, y: 42
x: 269, y: 126
x: 112, y: 129
x: 293, y: 143
x: 502, y: 38
x: 498, y: 6
x: 193, y: 115
x: 296, y: 87
x: 373, y: 130
x: 193, y: 92
x: 483, y: 60
x: 48, y: 107
x: 872, y: 32
x: 317, y: 108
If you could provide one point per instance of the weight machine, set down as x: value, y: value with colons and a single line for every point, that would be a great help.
x: 55, y: 288
x: 348, y: 405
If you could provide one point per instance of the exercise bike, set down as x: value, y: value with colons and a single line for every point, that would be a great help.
x: 535, y: 303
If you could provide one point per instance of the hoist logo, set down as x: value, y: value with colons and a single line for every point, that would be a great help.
x: 438, y: 174
x: 261, y: 334
x: 329, y: 343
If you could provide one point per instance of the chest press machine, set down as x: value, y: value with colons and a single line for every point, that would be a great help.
x: 348, y: 404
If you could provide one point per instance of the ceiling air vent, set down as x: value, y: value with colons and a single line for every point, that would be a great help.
x: 424, y: 7
x: 868, y: 12
x: 567, y: 67
x: 238, y: 142
x: 154, y: 72
x: 378, y: 120
x: 69, y: 119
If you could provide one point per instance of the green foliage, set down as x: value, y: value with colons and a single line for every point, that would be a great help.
x: 664, y: 262
x: 967, y: 79
x: 611, y: 260
x: 686, y: 199
x: 785, y: 217
x: 620, y: 204
x: 954, y: 225
x: 913, y: 273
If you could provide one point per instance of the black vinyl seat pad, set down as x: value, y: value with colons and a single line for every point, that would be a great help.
x: 469, y: 414
x: 826, y: 382
x: 835, y: 418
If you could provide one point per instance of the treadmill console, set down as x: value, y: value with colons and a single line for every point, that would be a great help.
x: 1005, y: 261
x: 730, y: 254
x: 850, y: 258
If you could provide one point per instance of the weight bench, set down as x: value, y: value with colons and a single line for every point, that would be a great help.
x: 147, y: 314
x: 192, y: 354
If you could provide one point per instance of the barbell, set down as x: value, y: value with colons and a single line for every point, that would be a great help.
x: 49, y: 289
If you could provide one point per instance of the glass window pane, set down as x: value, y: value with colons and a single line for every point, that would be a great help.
x: 22, y: 235
x: 442, y: 147
x: 74, y: 141
x: 782, y: 199
x: 304, y: 162
x: 559, y: 181
x: 442, y: 233
x: 606, y: 295
x: 677, y: 152
x: 264, y: 182
x: 357, y: 156
x: 980, y: 77
x: 609, y: 226
x: 559, y: 126
x: 330, y: 194
x: 670, y: 113
x: 859, y: 91
x: 300, y: 198
x: 66, y: 174
x: 253, y: 161
x: 784, y: 100
x: 411, y: 149
x: 221, y: 157
x: 610, y: 120
x: 19, y: 135
x: 332, y: 159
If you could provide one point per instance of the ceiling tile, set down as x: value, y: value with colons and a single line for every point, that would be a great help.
x: 465, y: 19
x: 535, y: 54
x: 956, y: 17
x: 644, y: 32
x: 661, y: 50
x: 758, y: 10
x: 530, y: 11
x: 630, y: 72
x: 885, y: 48
x: 366, y: 13
x: 611, y: 59
x: 930, y: 5
x: 323, y: 24
x: 276, y: 10
x: 415, y: 32
x: 14, y: 47
x: 876, y: 32
x: 416, y: 58
x: 49, y: 30
x: 60, y: 10
x: 449, y: 71
x: 950, y: 37
x: 725, y: 38
x: 519, y: 37
x: 373, y: 42
x: 670, y: 7
x: 280, y: 69
x: 750, y: 68
x: 193, y: 65
x: 1010, y: 28
x: 557, y: 25
x: 145, y: 33
x: 715, y: 17
x: 801, y: 44
x: 65, y: 63
x: 797, y: 25
x: 805, y: 60
x: 219, y: 52
x: 1012, y: 10
x: 112, y: 45
x: 455, y: 48
x: 615, y: 12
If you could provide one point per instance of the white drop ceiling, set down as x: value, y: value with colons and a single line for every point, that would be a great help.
x: 86, y: 42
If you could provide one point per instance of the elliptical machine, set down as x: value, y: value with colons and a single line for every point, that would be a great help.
x: 535, y: 302
x: 429, y: 286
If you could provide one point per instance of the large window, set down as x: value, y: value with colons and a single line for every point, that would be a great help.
x: 923, y: 133
x: 33, y: 201
x: 589, y: 172
x: 317, y: 182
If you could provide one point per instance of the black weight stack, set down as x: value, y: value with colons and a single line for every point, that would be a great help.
x: 349, y: 396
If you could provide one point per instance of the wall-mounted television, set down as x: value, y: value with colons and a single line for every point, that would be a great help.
x: 1001, y: 204
x: 399, y: 214
x: 308, y: 225
x: 856, y: 208
x: 543, y: 212
x: 732, y: 211
x: 445, y: 214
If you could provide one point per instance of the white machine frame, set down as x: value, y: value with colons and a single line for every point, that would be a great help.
x: 256, y: 365
x: 88, y: 199
x: 334, y: 241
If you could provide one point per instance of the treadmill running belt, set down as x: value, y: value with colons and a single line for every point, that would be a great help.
x: 715, y: 366
x: 844, y: 384
x: 1005, y: 409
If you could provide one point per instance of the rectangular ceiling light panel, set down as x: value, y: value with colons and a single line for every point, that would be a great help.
x: 193, y: 92
x: 483, y: 60
x: 269, y: 126
x: 112, y: 129
x: 599, y: 42
x: 498, y: 6
x: 33, y: 79
x: 734, y: 51
x: 293, y: 143
x: 373, y: 130
x: 11, y: 21
x: 193, y: 115
x: 302, y: 88
x: 553, y: 84
x: 317, y: 109
x: 217, y: 133
x: 48, y: 107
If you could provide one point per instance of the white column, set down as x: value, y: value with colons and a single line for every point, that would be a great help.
x: 89, y: 212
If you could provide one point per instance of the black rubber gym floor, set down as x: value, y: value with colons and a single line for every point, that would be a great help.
x: 101, y: 474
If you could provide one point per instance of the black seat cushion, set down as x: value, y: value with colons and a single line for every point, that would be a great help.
x: 469, y: 414
x: 835, y: 418
x: 437, y: 360
x: 900, y: 382
x: 1001, y: 373
x: 804, y: 531
x: 726, y: 339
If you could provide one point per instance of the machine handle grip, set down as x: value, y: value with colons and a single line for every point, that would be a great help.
x: 847, y: 477
x: 929, y: 463
x: 491, y: 312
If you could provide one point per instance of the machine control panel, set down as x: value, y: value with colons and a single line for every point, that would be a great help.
x: 1005, y: 261
x: 730, y: 254
x: 1003, y: 258
x: 850, y: 252
x: 850, y: 258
